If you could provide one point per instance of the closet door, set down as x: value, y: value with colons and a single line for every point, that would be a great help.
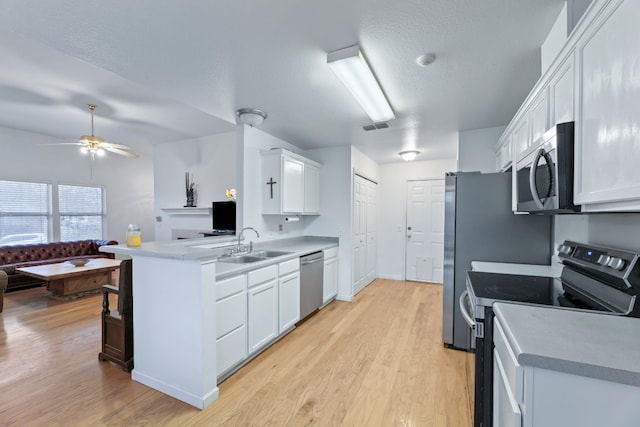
x: 364, y: 232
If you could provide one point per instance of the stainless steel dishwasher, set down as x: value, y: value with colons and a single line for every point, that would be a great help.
x: 311, y: 277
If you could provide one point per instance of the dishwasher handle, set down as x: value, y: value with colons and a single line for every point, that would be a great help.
x: 312, y: 258
x: 463, y: 309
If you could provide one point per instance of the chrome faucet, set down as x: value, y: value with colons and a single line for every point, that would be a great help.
x: 250, y: 243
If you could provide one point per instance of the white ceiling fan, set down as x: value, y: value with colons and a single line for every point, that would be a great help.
x: 95, y: 145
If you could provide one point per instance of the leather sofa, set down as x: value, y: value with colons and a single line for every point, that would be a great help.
x: 15, y: 256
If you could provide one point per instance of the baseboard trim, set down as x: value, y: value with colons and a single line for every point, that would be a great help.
x: 199, y: 402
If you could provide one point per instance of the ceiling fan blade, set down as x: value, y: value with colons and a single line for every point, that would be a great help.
x: 64, y: 143
x: 122, y: 151
x: 111, y: 144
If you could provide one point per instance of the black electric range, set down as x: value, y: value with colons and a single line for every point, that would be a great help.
x: 593, y: 278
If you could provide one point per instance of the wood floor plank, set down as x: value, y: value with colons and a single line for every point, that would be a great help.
x: 376, y: 361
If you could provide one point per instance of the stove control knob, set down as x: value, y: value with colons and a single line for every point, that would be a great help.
x: 616, y: 263
x: 564, y: 249
x: 603, y: 260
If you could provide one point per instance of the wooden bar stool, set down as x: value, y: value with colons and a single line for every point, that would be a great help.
x: 117, y: 326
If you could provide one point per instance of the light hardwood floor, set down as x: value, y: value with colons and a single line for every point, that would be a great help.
x: 378, y: 361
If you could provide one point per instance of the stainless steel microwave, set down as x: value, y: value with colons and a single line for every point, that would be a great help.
x: 544, y: 177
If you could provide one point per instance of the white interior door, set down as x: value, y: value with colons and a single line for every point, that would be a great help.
x: 359, y: 233
x: 372, y: 238
x: 425, y: 231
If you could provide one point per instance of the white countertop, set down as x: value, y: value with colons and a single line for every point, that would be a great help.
x: 594, y: 345
x: 212, y: 248
x: 553, y: 270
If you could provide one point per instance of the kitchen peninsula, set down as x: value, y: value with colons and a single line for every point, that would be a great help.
x: 174, y: 314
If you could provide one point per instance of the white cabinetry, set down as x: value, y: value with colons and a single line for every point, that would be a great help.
x: 503, y: 153
x: 330, y: 278
x: 291, y: 184
x: 593, y: 81
x: 262, y: 302
x: 311, y: 189
x: 561, y: 93
x: 608, y: 119
x: 539, y: 116
x: 534, y: 397
x: 231, y: 322
x: 520, y: 137
x: 289, y: 294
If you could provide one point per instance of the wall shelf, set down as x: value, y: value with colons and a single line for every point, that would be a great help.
x: 187, y: 211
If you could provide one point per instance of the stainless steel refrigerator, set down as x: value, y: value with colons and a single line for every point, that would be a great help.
x: 480, y: 226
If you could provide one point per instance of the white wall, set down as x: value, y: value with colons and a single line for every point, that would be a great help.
x: 335, y: 208
x: 617, y: 230
x: 128, y: 182
x: 476, y: 149
x: 212, y: 161
x: 392, y: 210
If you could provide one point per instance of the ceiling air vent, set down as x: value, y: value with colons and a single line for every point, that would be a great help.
x: 376, y: 126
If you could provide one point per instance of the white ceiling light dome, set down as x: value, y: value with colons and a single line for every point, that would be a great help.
x: 426, y: 59
x: 251, y: 116
x: 409, y: 155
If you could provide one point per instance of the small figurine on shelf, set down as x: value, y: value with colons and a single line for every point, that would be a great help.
x: 191, y: 192
x: 231, y: 194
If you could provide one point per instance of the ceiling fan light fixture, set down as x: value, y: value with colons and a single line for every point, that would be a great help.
x: 408, y: 155
x: 353, y: 70
x: 251, y: 116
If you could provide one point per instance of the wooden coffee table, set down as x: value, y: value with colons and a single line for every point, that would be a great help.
x: 65, y: 279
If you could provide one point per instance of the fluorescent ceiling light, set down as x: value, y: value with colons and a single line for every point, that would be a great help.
x: 353, y: 70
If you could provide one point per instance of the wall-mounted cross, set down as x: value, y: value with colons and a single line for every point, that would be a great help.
x: 271, y: 182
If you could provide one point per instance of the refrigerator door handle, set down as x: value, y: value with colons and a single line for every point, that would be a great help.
x: 463, y: 309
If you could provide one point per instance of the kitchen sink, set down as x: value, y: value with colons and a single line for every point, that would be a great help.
x: 252, y: 257
x: 268, y: 254
x: 243, y: 259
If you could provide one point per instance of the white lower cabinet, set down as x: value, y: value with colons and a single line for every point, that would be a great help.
x: 529, y: 396
x: 231, y: 322
x: 262, y: 303
x: 289, y: 294
x: 330, y: 277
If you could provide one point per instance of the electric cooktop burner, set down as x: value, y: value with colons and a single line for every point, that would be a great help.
x: 511, y: 287
x: 491, y: 287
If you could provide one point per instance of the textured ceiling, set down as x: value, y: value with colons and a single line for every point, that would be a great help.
x: 210, y: 58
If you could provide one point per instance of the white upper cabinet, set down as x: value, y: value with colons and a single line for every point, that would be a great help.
x: 291, y: 184
x: 539, y: 116
x: 594, y: 82
x: 503, y: 153
x: 311, y: 189
x: 520, y: 136
x: 561, y: 93
x: 608, y: 115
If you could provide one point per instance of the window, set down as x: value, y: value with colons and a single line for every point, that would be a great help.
x: 25, y: 212
x: 82, y: 212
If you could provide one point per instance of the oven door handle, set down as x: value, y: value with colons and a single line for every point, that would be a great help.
x: 467, y: 317
x: 532, y: 176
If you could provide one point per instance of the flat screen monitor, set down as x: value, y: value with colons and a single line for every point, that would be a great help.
x: 224, y: 217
